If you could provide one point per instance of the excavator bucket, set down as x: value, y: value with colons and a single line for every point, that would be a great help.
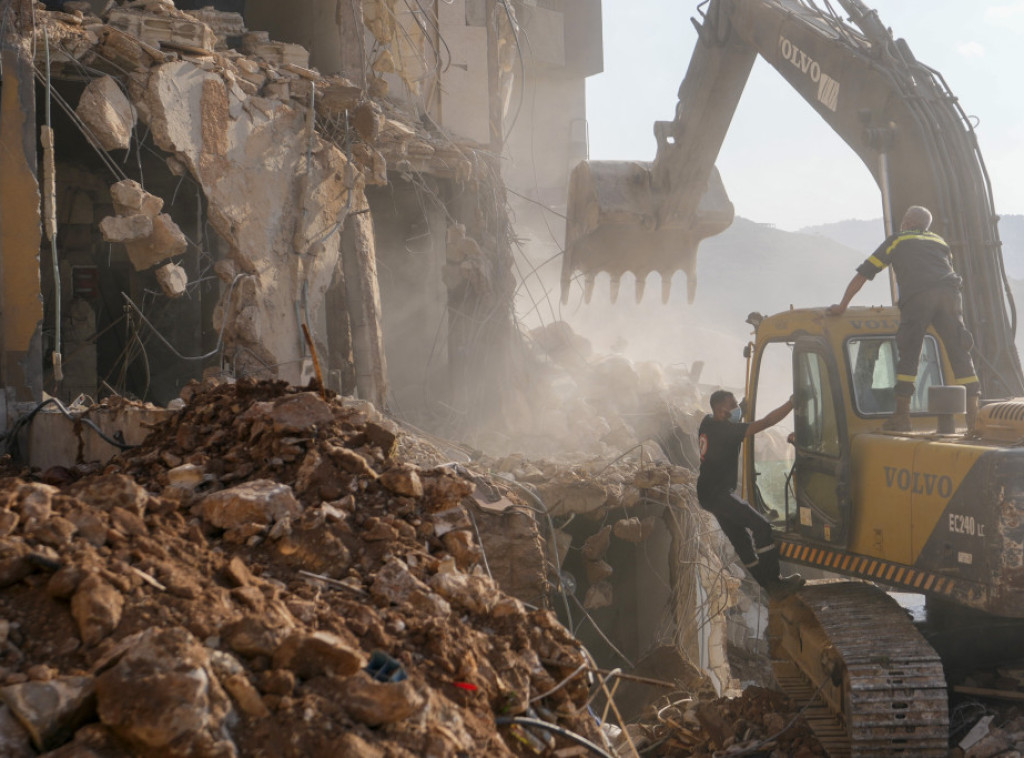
x: 613, y: 226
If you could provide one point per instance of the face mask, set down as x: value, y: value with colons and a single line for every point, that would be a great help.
x: 736, y: 416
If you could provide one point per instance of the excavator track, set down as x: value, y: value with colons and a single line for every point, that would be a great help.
x: 871, y: 684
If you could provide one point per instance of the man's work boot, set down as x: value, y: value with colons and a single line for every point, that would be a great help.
x: 972, y: 413
x: 899, y: 421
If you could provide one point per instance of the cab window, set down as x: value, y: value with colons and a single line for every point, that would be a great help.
x: 872, y: 362
x: 817, y: 429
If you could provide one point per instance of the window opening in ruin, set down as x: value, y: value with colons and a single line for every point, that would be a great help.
x: 773, y: 455
x: 872, y: 364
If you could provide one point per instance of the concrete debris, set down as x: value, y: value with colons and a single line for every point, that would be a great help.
x: 149, y: 237
x: 173, y: 280
x: 204, y: 645
x: 162, y: 25
x: 761, y: 721
x: 108, y: 113
x: 51, y: 711
x: 259, y: 45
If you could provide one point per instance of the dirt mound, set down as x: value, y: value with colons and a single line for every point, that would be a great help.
x: 264, y: 577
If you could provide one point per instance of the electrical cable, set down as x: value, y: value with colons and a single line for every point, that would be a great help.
x: 220, y: 337
x: 10, y: 437
x: 560, y: 731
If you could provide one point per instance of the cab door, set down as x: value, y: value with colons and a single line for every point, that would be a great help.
x: 822, y: 471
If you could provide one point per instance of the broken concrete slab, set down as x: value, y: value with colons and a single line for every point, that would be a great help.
x: 108, y: 114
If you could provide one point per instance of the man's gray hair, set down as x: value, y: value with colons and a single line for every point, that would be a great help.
x: 917, y: 217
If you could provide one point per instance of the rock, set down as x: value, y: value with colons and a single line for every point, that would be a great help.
x: 126, y: 229
x: 130, y: 198
x: 238, y: 573
x: 251, y: 637
x: 35, y: 501
x: 597, y: 544
x: 111, y: 491
x: 128, y: 522
x: 462, y: 545
x: 317, y: 654
x: 278, y: 682
x: 476, y: 594
x: 162, y: 697
x: 299, y: 414
x: 396, y: 584
x: 598, y: 571
x: 166, y: 241
x: 15, y: 741
x: 598, y: 596
x: 350, y: 461
x: 629, y: 529
x: 108, y: 113
x: 261, y: 501
x: 65, y: 581
x: 52, y: 711
x: 376, y: 703
x: 403, y: 480
x: 187, y: 476
x: 246, y: 695
x: 96, y: 607
x: 91, y: 741
x: 15, y: 564
x: 172, y: 279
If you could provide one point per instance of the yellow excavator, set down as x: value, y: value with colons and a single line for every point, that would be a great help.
x: 933, y: 511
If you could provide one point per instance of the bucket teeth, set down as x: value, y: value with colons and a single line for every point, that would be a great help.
x: 588, y: 288
x: 641, y: 284
x: 613, y: 293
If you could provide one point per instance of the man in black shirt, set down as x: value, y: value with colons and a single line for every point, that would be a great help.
x: 929, y: 296
x: 721, y: 435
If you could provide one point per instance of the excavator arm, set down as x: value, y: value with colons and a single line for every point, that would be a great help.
x: 896, y: 113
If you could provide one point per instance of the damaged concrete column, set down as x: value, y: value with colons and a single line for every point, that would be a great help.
x: 20, y: 231
x: 359, y: 261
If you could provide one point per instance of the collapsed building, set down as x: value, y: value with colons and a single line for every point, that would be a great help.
x: 209, y: 188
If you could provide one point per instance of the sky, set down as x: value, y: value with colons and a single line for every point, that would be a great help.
x: 808, y: 175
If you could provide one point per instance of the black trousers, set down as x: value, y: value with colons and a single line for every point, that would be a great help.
x: 749, y: 532
x: 941, y: 307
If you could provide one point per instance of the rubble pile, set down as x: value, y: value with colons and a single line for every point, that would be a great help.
x: 264, y: 576
x: 761, y: 722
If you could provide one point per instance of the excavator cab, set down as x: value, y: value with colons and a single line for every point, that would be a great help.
x: 842, y: 372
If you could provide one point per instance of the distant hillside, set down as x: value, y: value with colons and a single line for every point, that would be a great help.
x: 864, y: 235
x: 749, y: 267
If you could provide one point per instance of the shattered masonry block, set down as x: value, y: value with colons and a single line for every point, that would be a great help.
x: 126, y: 228
x: 224, y: 24
x: 173, y: 279
x: 277, y: 53
x: 109, y: 115
x: 167, y: 241
x: 130, y: 198
x: 160, y: 30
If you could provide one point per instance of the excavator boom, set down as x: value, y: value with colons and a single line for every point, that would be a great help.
x: 896, y: 113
